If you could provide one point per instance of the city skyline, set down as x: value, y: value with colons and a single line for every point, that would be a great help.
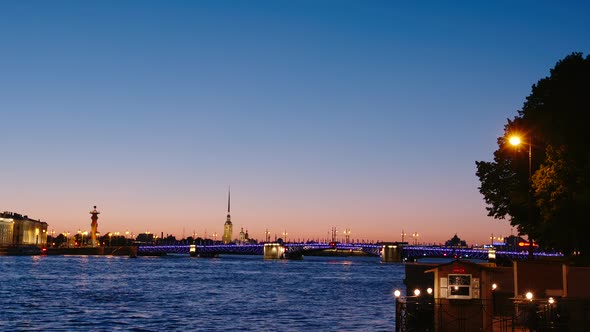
x: 366, y: 116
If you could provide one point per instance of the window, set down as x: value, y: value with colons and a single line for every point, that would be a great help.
x: 459, y: 286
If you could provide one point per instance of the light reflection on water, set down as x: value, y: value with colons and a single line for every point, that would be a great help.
x: 238, y: 293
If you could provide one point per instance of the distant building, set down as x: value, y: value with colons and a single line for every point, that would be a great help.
x: 228, y: 227
x: 16, y: 229
x: 145, y: 238
x: 516, y: 243
x: 242, y: 236
x: 455, y: 241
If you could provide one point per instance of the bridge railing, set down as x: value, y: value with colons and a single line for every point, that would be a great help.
x: 372, y: 249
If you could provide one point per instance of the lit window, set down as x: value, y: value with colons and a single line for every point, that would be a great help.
x: 459, y: 286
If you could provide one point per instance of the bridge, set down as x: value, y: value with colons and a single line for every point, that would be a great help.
x: 289, y: 250
x: 389, y: 252
x: 416, y: 252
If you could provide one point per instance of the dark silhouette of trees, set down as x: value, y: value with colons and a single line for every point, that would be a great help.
x: 553, y: 205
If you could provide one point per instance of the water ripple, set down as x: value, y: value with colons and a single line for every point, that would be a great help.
x: 244, y: 293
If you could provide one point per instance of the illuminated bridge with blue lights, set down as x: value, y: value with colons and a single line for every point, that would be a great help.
x: 416, y: 252
x: 297, y: 250
x: 290, y: 249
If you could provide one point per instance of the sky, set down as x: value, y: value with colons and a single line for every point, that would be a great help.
x: 360, y: 115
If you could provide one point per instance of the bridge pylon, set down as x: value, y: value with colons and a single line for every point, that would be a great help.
x: 392, y: 252
x: 274, y: 250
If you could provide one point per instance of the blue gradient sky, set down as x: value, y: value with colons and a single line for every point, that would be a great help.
x: 366, y: 115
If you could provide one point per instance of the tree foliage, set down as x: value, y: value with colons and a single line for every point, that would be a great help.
x: 553, y: 205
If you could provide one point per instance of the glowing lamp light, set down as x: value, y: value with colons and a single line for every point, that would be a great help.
x: 514, y: 140
x: 397, y: 293
x: 494, y: 286
x: 429, y: 291
x: 551, y: 300
x: 529, y: 296
x: 417, y: 292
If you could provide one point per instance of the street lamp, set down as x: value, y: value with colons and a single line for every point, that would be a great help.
x: 516, y: 141
x: 499, y: 238
x: 267, y: 235
x: 347, y: 235
x: 285, y: 235
x: 398, y: 310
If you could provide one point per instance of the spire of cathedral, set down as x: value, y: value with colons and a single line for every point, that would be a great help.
x: 228, y: 227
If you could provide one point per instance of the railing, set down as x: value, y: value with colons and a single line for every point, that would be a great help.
x: 410, y: 252
x: 430, y: 251
x: 257, y: 249
x: 426, y: 314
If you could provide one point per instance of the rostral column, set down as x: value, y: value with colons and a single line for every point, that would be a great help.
x: 94, y: 225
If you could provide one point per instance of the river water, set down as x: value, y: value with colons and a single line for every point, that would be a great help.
x: 230, y: 293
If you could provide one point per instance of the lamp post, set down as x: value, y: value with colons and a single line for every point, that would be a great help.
x: 499, y: 238
x: 347, y: 235
x: 516, y: 141
x: 398, y: 310
x: 334, y: 234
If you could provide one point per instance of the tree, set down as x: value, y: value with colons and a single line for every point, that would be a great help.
x: 562, y: 194
x: 553, y: 204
